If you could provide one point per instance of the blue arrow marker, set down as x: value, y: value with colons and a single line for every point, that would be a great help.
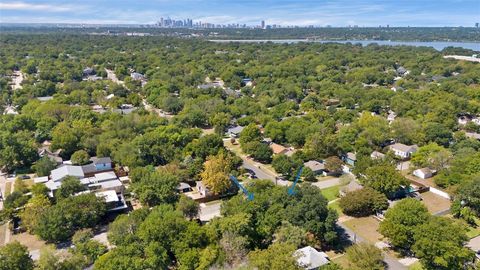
x: 291, y: 190
x: 245, y: 191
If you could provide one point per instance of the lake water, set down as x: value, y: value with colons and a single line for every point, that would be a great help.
x: 437, y: 45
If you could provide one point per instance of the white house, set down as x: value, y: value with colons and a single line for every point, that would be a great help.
x: 311, y: 259
x: 423, y: 173
x: 403, y: 151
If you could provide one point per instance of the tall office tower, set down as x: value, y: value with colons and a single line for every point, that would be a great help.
x: 476, y: 25
x: 263, y: 24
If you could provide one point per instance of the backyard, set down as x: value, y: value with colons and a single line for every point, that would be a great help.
x: 435, y: 203
x: 365, y: 227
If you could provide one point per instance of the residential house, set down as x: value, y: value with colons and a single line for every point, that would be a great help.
x: 209, y: 85
x: 183, y: 187
x: 403, y: 151
x: 464, y: 119
x: 102, y: 164
x: 350, y: 159
x: 88, y: 71
x: 315, y: 166
x: 234, y: 132
x: 114, y: 201
x: 423, y: 173
x: 44, y: 150
x: 391, y: 116
x: 311, y: 259
x: 278, y: 149
x: 137, y: 76
x: 246, y: 82
x: 377, y: 155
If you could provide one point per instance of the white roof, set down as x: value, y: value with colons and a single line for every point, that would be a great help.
x: 52, y: 185
x: 112, y: 184
x: 105, y: 176
x: 109, y: 195
x: 67, y: 170
x: 42, y: 179
x: 310, y: 258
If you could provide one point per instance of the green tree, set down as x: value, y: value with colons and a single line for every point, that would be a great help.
x: 401, y: 220
x: 275, y: 257
x: 60, y: 221
x: 440, y: 244
x: 363, y: 202
x: 122, y: 230
x: 365, y: 256
x: 135, y: 256
x: 15, y: 256
x: 384, y: 178
x: 154, y: 187
x: 70, y: 185
x: 80, y: 157
x: 250, y: 133
x: 84, y: 245
x: 260, y: 151
x: 309, y: 175
x: 188, y: 207
x: 290, y: 234
x: 34, y: 209
x: 44, y: 166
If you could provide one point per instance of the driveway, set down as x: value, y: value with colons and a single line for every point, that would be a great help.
x: 393, y: 264
x: 209, y: 210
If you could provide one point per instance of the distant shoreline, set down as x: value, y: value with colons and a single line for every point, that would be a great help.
x: 438, y: 45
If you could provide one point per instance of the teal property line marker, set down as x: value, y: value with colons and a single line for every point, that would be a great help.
x: 245, y: 191
x: 291, y: 190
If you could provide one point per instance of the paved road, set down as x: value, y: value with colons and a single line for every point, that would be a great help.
x: 474, y: 244
x: 209, y: 210
x: 392, y: 263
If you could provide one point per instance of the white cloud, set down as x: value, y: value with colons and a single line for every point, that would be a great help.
x: 35, y: 7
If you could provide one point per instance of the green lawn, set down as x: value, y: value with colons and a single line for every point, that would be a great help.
x: 330, y: 193
x: 416, y: 266
x: 336, y: 206
x: 474, y: 231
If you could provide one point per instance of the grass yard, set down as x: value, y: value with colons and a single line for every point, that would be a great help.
x: 336, y: 206
x: 342, y: 261
x: 8, y: 188
x: 474, y: 231
x: 416, y: 266
x: 366, y: 228
x: 330, y: 193
x: 30, y: 241
x: 435, y: 203
x: 3, y: 230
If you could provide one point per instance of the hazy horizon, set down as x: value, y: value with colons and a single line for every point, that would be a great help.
x: 341, y: 13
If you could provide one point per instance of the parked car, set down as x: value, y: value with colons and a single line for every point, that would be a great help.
x: 24, y: 177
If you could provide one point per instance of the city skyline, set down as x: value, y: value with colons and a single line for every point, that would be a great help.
x: 251, y: 13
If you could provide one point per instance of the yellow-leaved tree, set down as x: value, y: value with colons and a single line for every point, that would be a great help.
x: 216, y: 171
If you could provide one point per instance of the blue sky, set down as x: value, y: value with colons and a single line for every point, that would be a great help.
x: 251, y: 12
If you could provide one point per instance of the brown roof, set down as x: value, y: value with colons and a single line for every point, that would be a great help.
x: 277, y: 148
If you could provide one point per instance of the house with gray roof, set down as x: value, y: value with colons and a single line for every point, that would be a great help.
x: 402, y: 150
x: 234, y: 132
x: 315, y: 166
